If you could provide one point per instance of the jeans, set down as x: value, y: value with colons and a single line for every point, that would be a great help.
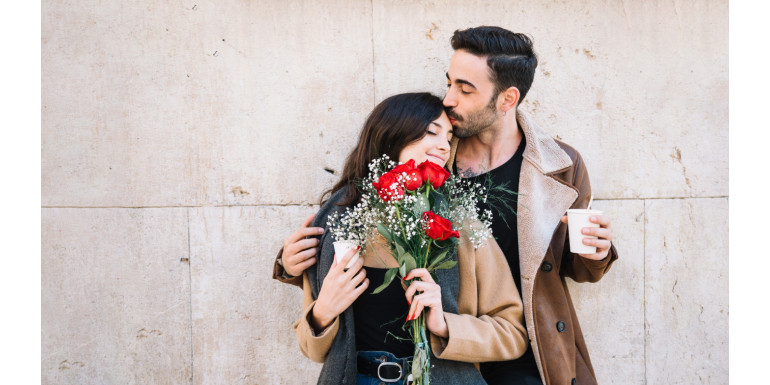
x: 380, y: 356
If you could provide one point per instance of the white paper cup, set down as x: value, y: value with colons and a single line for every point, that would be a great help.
x: 342, y: 247
x: 577, y: 219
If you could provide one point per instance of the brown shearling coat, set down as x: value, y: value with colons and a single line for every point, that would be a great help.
x: 553, y: 179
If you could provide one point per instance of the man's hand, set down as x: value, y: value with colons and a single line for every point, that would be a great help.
x: 603, y: 236
x: 339, y: 290
x: 299, y: 252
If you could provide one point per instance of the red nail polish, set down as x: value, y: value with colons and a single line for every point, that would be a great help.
x: 358, y: 248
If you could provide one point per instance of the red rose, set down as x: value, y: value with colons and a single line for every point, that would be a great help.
x: 413, y: 177
x: 388, y: 187
x: 438, y: 228
x: 403, y: 167
x: 436, y: 174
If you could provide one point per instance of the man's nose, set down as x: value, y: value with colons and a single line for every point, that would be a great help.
x: 449, y: 99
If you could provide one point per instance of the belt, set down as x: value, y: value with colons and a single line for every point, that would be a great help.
x: 384, y: 370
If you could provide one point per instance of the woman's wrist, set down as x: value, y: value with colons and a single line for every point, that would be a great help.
x: 441, y: 330
x: 318, y: 320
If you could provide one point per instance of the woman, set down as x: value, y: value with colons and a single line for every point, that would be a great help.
x: 474, y: 316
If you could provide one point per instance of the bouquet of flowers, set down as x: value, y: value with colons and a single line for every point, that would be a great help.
x: 418, y: 210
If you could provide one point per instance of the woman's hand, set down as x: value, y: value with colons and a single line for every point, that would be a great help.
x: 429, y: 298
x: 339, y: 290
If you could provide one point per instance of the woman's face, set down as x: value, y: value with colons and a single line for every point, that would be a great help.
x: 434, y: 146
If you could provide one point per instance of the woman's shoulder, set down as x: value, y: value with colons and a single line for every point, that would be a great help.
x: 327, y: 208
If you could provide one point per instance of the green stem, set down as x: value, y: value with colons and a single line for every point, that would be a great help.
x: 400, y: 222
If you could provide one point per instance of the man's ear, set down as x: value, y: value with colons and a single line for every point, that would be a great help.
x: 510, y: 99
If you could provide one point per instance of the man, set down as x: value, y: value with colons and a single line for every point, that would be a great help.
x: 489, y: 75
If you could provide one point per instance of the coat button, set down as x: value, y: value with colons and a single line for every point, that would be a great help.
x: 547, y: 267
x: 560, y: 326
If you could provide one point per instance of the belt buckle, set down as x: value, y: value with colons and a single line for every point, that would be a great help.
x: 389, y: 379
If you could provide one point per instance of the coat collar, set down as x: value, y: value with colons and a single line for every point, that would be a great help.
x: 541, y: 151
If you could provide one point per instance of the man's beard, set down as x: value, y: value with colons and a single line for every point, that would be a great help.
x: 476, y: 122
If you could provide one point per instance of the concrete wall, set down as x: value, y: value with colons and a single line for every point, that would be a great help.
x: 183, y: 140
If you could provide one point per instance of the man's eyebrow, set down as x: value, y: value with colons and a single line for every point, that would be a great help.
x: 461, y: 81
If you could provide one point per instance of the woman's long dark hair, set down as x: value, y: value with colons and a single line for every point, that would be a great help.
x: 396, y: 122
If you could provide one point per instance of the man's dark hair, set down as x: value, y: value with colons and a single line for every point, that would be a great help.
x: 510, y: 56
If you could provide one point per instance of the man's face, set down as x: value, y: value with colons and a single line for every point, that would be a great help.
x: 470, y: 99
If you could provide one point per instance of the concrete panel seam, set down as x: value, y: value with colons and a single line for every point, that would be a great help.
x: 187, y: 206
x: 314, y: 205
x: 189, y: 282
x: 644, y: 284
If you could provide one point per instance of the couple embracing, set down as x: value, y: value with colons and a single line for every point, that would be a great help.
x: 502, y: 314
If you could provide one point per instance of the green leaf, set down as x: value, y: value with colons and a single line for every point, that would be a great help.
x: 385, y: 232
x: 400, y: 251
x: 400, y: 242
x: 446, y: 265
x: 438, y: 258
x: 388, y: 279
x: 440, y: 204
x: 420, y: 206
x: 408, y: 262
x: 417, y: 364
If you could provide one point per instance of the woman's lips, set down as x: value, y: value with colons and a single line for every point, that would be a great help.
x: 437, y: 157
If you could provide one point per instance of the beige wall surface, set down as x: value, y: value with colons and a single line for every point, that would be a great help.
x: 182, y: 141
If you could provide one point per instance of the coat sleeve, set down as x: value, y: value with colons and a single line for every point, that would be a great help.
x: 490, y: 324
x: 280, y: 274
x: 575, y: 266
x: 313, y: 345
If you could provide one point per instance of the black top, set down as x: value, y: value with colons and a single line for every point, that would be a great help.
x: 506, y: 234
x: 504, y: 226
x: 380, y: 317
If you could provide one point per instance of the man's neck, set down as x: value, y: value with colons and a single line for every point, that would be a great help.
x: 489, y: 149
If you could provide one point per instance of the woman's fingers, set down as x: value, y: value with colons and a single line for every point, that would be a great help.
x: 340, y: 266
x: 360, y: 289
x: 430, y: 300
x: 358, y: 278
x: 418, y: 286
x: 421, y: 273
x: 415, y: 309
x: 430, y: 297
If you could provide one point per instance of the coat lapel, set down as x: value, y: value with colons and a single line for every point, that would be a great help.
x: 542, y: 202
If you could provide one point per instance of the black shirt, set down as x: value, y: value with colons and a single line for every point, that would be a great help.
x: 379, y: 318
x: 505, y: 231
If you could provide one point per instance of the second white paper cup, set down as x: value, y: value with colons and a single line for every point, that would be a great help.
x: 577, y: 219
x: 342, y: 247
